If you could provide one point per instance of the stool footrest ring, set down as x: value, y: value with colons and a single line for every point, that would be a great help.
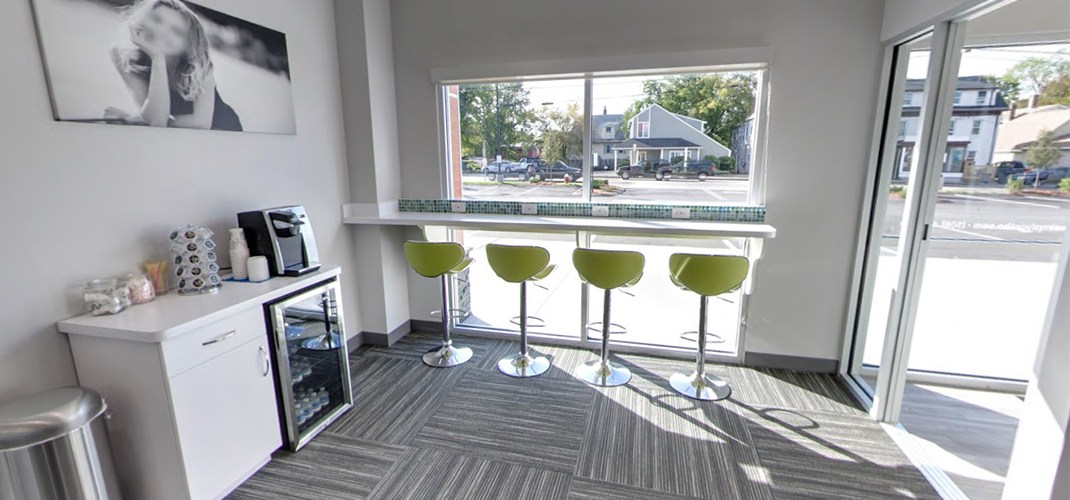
x: 614, y: 328
x: 454, y: 313
x: 711, y: 338
x: 538, y: 322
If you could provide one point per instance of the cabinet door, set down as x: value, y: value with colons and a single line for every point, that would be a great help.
x: 227, y: 418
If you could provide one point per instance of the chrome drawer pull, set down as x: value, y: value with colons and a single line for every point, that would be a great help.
x: 267, y: 362
x: 220, y: 338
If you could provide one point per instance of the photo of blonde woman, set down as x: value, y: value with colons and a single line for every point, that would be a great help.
x: 169, y: 63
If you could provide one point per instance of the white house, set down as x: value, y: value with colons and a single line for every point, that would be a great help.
x: 971, y: 134
x: 657, y: 133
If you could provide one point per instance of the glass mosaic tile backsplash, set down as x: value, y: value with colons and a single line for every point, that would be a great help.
x: 727, y: 213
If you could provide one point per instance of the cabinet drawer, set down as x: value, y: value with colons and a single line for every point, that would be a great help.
x: 196, y: 347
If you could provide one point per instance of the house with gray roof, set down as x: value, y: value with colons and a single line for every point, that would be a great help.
x: 606, y: 134
x: 657, y: 133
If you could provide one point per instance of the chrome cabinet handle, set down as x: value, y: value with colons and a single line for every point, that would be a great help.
x: 220, y: 338
x: 267, y: 362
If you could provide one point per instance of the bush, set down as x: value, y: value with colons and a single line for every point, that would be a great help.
x: 676, y: 159
x: 1015, y: 185
x: 597, y: 183
x: 1064, y: 184
x: 725, y: 164
x: 897, y: 191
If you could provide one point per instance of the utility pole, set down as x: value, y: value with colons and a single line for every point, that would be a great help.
x: 498, y: 114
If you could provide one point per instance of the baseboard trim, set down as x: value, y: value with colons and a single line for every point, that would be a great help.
x: 353, y: 343
x: 793, y: 363
x: 386, y: 339
x: 419, y: 325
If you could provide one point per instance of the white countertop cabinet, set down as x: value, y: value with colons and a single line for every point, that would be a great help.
x: 189, y: 385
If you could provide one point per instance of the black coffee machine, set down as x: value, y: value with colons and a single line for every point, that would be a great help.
x: 284, y: 236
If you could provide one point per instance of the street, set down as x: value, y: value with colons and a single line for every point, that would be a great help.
x: 727, y: 189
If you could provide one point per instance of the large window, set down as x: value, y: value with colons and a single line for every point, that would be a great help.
x: 685, y: 138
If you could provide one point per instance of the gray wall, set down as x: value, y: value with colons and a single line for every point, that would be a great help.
x: 827, y: 64
x: 89, y: 200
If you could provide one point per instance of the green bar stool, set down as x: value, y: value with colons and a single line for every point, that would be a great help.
x: 521, y: 264
x: 608, y: 270
x: 708, y: 276
x: 440, y: 260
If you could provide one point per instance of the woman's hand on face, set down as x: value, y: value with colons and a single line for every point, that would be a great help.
x: 142, y: 37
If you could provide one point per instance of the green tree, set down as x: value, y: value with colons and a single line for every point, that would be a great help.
x: 1043, y: 153
x: 1009, y: 87
x: 560, y: 133
x: 1034, y: 74
x: 483, y: 107
x: 722, y: 100
x: 1056, y: 92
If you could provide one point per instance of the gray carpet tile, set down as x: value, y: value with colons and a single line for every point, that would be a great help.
x: 536, y: 422
x: 332, y: 466
x: 471, y: 432
x: 432, y: 474
x: 828, y: 455
x: 787, y: 389
x: 589, y: 489
x: 645, y: 435
x: 393, y: 397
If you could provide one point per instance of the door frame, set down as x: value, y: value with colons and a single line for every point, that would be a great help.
x: 946, y: 40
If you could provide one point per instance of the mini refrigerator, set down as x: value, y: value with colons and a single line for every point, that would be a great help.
x: 311, y: 361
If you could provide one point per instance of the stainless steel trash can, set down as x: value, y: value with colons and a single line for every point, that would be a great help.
x: 54, y: 445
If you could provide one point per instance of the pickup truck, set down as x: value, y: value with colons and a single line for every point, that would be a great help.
x: 1006, y: 169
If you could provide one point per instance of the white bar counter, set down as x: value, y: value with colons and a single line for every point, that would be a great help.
x: 550, y: 224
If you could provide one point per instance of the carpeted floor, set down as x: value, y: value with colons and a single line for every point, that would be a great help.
x: 471, y: 432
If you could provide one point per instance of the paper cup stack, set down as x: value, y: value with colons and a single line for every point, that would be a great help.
x: 194, y: 258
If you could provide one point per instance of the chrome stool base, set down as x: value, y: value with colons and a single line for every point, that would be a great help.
x: 603, y: 374
x: 701, y: 387
x: 447, y: 356
x: 523, y: 366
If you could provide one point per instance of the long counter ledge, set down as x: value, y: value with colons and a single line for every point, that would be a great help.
x: 600, y: 225
x: 170, y: 315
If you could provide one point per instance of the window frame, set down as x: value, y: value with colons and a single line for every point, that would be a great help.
x: 757, y: 60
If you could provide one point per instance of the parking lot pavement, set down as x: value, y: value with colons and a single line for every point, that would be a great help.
x: 635, y: 190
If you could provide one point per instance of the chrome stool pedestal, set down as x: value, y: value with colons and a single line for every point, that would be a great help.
x: 447, y: 355
x: 601, y: 372
x: 523, y: 364
x: 700, y: 385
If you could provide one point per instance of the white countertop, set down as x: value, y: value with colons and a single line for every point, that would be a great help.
x: 171, y: 315
x: 599, y: 225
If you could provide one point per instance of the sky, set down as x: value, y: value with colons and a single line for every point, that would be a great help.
x: 992, y: 61
x: 614, y: 95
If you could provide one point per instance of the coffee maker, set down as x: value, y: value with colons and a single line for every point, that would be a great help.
x: 284, y: 236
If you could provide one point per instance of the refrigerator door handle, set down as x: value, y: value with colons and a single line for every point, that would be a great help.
x: 267, y: 362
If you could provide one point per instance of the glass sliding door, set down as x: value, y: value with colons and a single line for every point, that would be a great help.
x: 890, y: 229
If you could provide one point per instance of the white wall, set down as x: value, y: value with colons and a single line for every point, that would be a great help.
x: 907, y: 16
x: 82, y: 201
x: 824, y: 84
x: 1040, y: 462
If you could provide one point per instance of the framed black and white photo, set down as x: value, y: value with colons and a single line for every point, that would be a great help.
x: 164, y: 63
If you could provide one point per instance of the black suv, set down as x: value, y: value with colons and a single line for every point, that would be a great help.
x: 643, y: 168
x: 689, y: 169
x: 1006, y: 169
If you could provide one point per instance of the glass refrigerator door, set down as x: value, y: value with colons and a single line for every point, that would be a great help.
x: 313, y: 362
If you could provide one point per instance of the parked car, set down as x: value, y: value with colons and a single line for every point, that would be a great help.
x: 1007, y: 169
x: 1051, y: 175
x: 687, y: 169
x: 555, y: 170
x: 503, y: 167
x: 643, y: 168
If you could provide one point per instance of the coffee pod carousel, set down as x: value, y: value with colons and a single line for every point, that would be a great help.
x: 193, y: 253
